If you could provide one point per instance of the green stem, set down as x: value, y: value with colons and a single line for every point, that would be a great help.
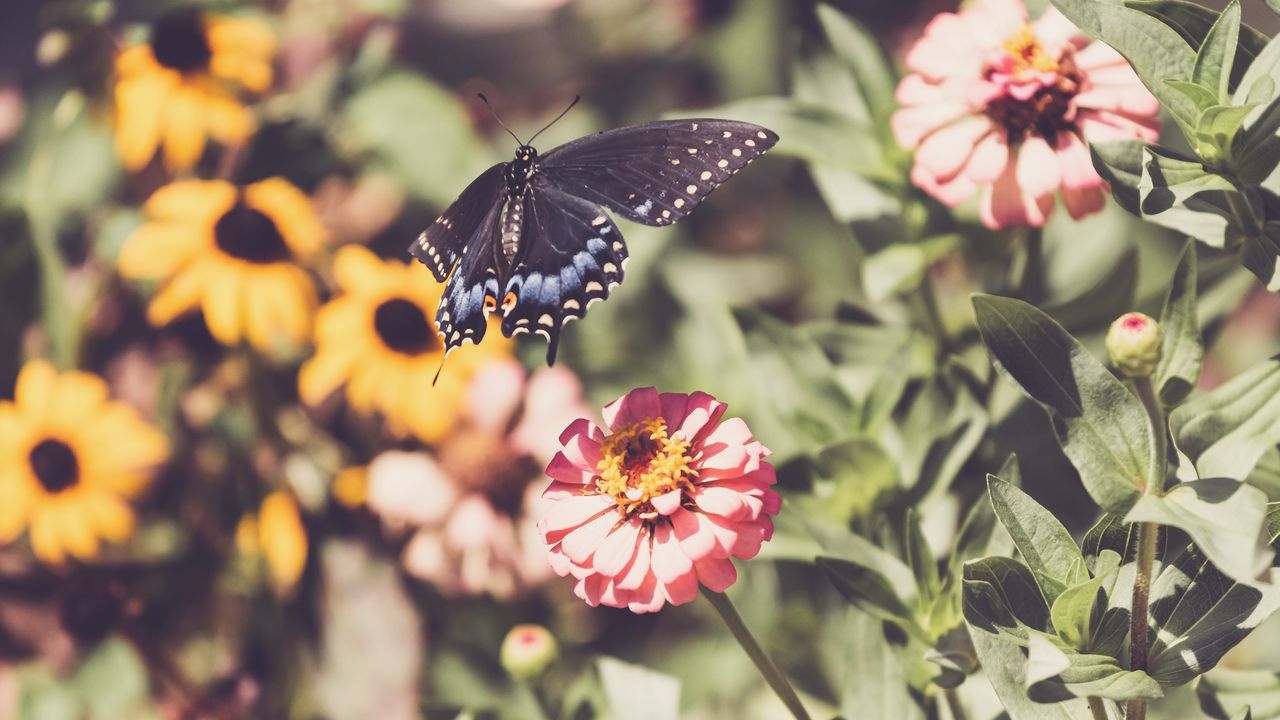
x: 771, y: 674
x: 1139, y: 610
x: 928, y: 299
x: 533, y: 699
x: 57, y: 315
x: 1098, y: 709
x: 954, y: 705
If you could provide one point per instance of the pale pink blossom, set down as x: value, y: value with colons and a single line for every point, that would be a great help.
x: 473, y: 505
x: 640, y: 516
x: 1001, y: 105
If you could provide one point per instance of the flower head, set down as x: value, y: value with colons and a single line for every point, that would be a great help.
x: 231, y: 252
x: 376, y: 337
x: 528, y: 650
x: 1135, y: 343
x: 180, y: 87
x: 1003, y: 105
x: 70, y: 459
x: 643, y: 514
x: 473, y: 507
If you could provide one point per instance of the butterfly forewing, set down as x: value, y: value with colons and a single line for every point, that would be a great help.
x: 571, y: 255
x: 441, y: 244
x: 472, y: 290
x: 655, y: 173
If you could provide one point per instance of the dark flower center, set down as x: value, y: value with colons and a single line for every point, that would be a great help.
x: 1045, y: 114
x: 178, y: 41
x: 403, y: 327
x: 248, y: 234
x: 480, y: 462
x: 55, y: 465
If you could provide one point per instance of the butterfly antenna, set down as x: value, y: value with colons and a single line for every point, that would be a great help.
x: 438, y: 371
x: 504, y: 127
x: 564, y: 112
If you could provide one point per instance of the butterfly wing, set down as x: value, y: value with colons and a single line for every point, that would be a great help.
x: 441, y: 244
x: 571, y: 255
x: 472, y: 290
x: 655, y: 173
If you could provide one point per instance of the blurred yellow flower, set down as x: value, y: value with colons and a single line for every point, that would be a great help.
x: 233, y: 254
x: 70, y: 458
x: 179, y: 88
x: 276, y: 534
x: 351, y: 487
x: 377, y: 338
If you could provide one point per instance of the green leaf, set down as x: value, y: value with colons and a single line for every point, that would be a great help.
x: 1260, y: 80
x: 875, y: 684
x: 1201, y: 97
x: 638, y: 693
x: 113, y: 682
x: 1080, y: 608
x: 981, y: 534
x: 433, y: 155
x: 861, y: 472
x: 1193, y: 21
x: 1047, y: 547
x: 1261, y: 255
x: 1112, y: 533
x: 923, y: 564
x: 1224, y: 432
x: 1054, y: 675
x: 955, y: 656
x: 1119, y: 162
x: 869, y: 591
x: 1100, y: 425
x: 1179, y: 194
x: 1005, y: 665
x: 1182, y: 351
x: 1224, y: 693
x: 886, y: 391
x: 863, y: 55
x: 1256, y: 149
x: 1212, y: 68
x: 1224, y: 518
x: 899, y: 268
x: 1156, y: 51
x: 1200, y: 613
x: 1000, y: 596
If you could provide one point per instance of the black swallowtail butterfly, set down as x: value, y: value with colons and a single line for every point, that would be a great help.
x: 531, y: 237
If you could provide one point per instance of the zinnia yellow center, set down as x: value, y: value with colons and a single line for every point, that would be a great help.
x: 1028, y: 53
x: 641, y: 462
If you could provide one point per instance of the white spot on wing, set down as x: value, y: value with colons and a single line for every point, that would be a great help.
x: 643, y: 210
x: 691, y: 189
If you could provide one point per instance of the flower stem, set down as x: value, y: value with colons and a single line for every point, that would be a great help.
x: 56, y: 312
x: 1139, y: 610
x: 773, y: 676
x: 954, y: 704
x: 1098, y: 709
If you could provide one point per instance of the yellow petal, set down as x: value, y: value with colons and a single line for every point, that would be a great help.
x: 34, y: 390
x: 181, y: 294
x: 183, y: 128
x: 158, y: 249
x: 357, y: 269
x: 45, y: 540
x: 259, y: 327
x: 77, y: 397
x: 362, y: 386
x: 136, y: 60
x: 351, y: 487
x: 112, y: 518
x: 229, y: 121
x: 140, y: 107
x: 241, y: 36
x: 223, y: 302
x: 247, y: 536
x: 15, y: 503
x: 196, y: 201
x: 75, y: 526
x: 326, y: 371
x: 283, y: 539
x: 436, y: 408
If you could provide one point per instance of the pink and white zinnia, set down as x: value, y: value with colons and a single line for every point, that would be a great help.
x: 997, y: 103
x: 640, y: 516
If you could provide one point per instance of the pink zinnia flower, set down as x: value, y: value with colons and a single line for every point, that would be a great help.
x: 1006, y: 105
x: 473, y: 506
x: 661, y: 503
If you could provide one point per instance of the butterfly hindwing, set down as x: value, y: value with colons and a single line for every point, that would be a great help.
x: 472, y: 290
x: 441, y: 244
x: 571, y: 255
x: 655, y: 173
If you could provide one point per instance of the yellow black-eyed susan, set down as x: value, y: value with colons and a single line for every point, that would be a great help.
x: 181, y: 86
x: 377, y: 338
x: 233, y: 253
x: 70, y: 460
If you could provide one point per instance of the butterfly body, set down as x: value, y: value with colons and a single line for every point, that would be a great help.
x: 531, y: 238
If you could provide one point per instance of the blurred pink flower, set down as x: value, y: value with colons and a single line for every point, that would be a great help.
x: 998, y: 103
x: 474, y: 505
x: 642, y: 515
